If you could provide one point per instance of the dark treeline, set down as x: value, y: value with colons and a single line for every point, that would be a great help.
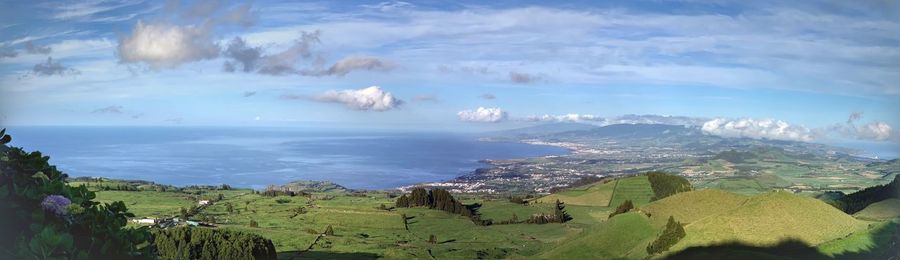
x: 854, y: 202
x: 203, y: 243
x: 441, y: 200
x: 665, y: 185
x: 674, y: 231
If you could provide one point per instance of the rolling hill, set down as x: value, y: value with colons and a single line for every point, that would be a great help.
x: 769, y: 218
x: 689, y: 207
x: 882, y: 210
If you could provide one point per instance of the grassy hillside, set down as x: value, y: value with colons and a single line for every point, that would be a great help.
x: 688, y: 207
x: 769, y: 218
x: 610, y: 194
x: 637, y: 189
x: 873, y: 243
x: 885, y: 209
x: 597, y: 194
x: 625, y: 235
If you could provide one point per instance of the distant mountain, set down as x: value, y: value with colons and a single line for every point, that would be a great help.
x: 634, y: 131
x: 545, y: 129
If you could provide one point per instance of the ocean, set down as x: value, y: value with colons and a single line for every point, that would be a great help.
x: 257, y: 157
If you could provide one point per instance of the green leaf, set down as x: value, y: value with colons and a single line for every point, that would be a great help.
x: 40, y: 175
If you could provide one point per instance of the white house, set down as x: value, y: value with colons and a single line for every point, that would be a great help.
x: 147, y: 221
x: 203, y: 202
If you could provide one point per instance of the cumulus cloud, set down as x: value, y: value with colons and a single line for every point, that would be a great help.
x: 757, y: 129
x: 875, y: 131
x: 483, y: 114
x: 51, y: 68
x: 108, y: 110
x: 488, y: 96
x: 249, y: 93
x: 31, y: 48
x: 242, y: 55
x: 346, y: 65
x: 369, y: 99
x: 251, y: 59
x: 522, y: 78
x: 878, y: 131
x: 167, y: 46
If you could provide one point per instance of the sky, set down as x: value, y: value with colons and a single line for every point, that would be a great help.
x: 790, y: 70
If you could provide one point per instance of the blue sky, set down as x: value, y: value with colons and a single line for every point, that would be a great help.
x: 810, y: 70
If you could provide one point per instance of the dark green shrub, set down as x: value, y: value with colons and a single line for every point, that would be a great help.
x: 43, y: 217
x: 665, y: 185
x: 204, y: 243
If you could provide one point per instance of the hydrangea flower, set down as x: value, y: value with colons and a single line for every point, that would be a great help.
x: 56, y: 204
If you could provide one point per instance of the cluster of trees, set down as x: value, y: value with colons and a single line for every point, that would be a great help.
x: 439, y: 199
x: 665, y: 185
x: 854, y: 202
x: 674, y: 231
x: 626, y: 206
x: 559, y: 215
x: 276, y: 193
x: 44, y: 218
x: 204, y: 243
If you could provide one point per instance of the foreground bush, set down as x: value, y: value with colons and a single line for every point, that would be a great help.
x: 43, y: 218
x: 204, y: 243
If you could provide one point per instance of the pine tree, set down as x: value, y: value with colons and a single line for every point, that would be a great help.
x: 670, y: 236
x: 432, y: 240
x: 560, y: 212
x: 403, y: 201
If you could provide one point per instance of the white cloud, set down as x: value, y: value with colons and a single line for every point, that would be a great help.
x: 167, y: 46
x: 876, y: 131
x: 372, y: 98
x: 757, y: 129
x: 482, y: 114
x: 565, y: 118
x: 348, y: 64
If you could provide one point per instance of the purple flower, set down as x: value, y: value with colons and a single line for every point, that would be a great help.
x: 56, y: 204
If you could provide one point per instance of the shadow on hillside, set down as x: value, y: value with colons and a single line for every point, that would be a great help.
x: 886, y: 238
x: 324, y: 255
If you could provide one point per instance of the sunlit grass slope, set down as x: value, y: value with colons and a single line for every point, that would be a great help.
x: 689, y: 207
x: 597, y: 194
x: 623, y: 236
x: 885, y: 209
x: 769, y: 218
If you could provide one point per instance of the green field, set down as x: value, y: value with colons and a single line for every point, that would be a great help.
x: 363, y: 231
x: 597, y: 194
x: 624, y: 235
x: 637, y: 189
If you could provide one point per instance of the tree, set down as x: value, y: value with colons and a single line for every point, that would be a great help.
x: 253, y: 223
x: 665, y: 185
x: 622, y: 208
x: 229, y: 208
x: 432, y: 240
x: 560, y: 213
x: 329, y: 231
x: 403, y: 201
x: 672, y: 234
x: 183, y: 213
